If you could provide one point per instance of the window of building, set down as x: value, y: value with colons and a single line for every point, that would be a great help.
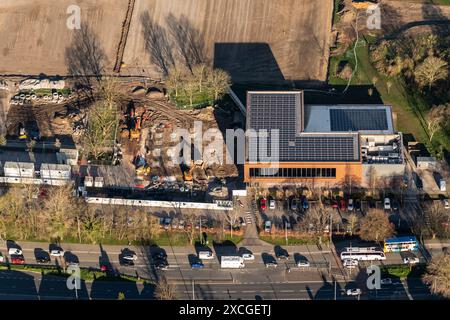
x: 293, y: 172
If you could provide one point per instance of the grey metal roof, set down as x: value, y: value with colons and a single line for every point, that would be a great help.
x: 283, y: 111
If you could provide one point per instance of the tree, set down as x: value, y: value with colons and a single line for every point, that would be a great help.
x: 438, y: 275
x: 352, y: 226
x: 431, y: 70
x: 190, y: 88
x: 435, y: 217
x: 174, y: 81
x: 101, y: 129
x: 164, y: 290
x: 437, y: 118
x: 375, y: 226
x: 317, y: 218
x: 200, y: 73
x: 231, y: 217
x: 219, y: 81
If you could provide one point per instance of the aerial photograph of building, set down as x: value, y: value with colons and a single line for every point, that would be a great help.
x: 192, y: 150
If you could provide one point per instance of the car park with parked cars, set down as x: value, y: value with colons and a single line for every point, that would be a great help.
x: 303, y: 263
x: 17, y: 259
x: 411, y: 260
x: 15, y: 251
x: 263, y: 203
x: 387, y: 204
x: 2, y: 259
x: 350, y: 206
x: 57, y: 253
x: 197, y: 265
x: 248, y: 256
x: 353, y: 292
x: 206, y: 255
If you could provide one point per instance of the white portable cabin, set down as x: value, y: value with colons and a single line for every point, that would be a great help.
x: 67, y: 156
x: 18, y: 169
x: 55, y: 171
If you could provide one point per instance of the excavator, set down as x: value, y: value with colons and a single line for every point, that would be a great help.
x: 135, y: 132
x: 142, y: 168
x: 188, y: 172
x: 363, y: 4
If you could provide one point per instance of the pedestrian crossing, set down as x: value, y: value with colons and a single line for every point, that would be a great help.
x: 248, y: 218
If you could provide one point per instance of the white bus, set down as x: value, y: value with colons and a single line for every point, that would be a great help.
x: 365, y: 254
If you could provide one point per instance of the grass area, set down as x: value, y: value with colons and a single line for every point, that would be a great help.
x: 199, y: 100
x: 85, y: 274
x: 404, y: 271
x: 64, y: 91
x: 408, y: 108
x: 280, y: 240
x: 336, y: 8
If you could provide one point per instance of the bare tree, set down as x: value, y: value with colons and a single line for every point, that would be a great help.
x: 435, y: 217
x: 164, y: 290
x: 437, y: 118
x: 431, y: 70
x: 190, y: 88
x: 200, y: 73
x: 438, y: 275
x: 174, y: 81
x: 352, y: 223
x: 219, y: 81
x: 231, y: 217
x: 318, y: 218
x: 375, y: 226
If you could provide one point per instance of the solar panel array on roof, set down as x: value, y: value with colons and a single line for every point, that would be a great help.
x: 268, y: 111
x: 358, y: 119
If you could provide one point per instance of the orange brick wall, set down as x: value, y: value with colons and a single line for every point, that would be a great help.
x: 344, y: 170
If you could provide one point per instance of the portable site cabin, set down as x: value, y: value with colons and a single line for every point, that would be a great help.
x: 55, y: 171
x: 18, y: 169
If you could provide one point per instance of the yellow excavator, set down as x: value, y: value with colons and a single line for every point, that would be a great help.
x: 188, y: 173
x: 142, y: 168
x: 363, y: 4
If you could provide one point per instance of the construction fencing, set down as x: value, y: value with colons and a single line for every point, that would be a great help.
x: 156, y: 203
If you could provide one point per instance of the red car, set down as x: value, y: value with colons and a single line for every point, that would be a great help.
x: 263, y: 204
x: 104, y: 267
x: 343, y: 205
x: 17, y: 260
x: 334, y: 204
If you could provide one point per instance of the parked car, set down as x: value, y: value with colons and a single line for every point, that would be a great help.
x: 43, y: 259
x: 129, y: 256
x: 2, y: 259
x: 197, y: 265
x: 386, y: 281
x: 357, y: 205
x: 17, y: 259
x: 206, y: 255
x: 335, y: 204
x: 282, y: 255
x: 161, y: 265
x: 272, y: 204
x: 350, y: 206
x: 126, y: 262
x: 411, y: 260
x: 446, y: 204
x: 15, y: 251
x: 263, y: 204
x: 387, y: 204
x: 342, y: 205
x: 395, y: 205
x: 303, y: 263
x: 353, y: 292
x: 57, y: 253
x: 160, y: 255
x: 294, y: 204
x: 248, y: 256
x: 267, y: 226
x: 104, y: 267
x: 271, y: 264
x: 242, y: 221
x: 305, y: 204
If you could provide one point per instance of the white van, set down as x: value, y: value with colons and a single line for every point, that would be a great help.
x: 387, y: 204
x: 205, y: 255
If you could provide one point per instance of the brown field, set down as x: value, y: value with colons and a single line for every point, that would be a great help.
x: 34, y: 36
x: 255, y: 40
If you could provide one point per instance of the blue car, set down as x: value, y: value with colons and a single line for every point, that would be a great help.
x: 305, y: 204
x: 197, y: 265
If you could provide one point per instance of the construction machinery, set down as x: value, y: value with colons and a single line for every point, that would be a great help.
x: 188, y: 172
x: 363, y: 4
x: 135, y: 131
x: 142, y: 168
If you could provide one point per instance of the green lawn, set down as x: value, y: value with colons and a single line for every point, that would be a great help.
x: 280, y: 240
x: 409, y: 109
x: 403, y: 271
x: 85, y: 274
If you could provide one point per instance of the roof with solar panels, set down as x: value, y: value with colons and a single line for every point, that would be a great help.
x: 313, y: 132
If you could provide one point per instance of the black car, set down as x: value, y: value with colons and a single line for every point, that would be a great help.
x: 159, y: 255
x: 357, y: 205
x: 161, y: 265
x: 395, y: 206
x: 282, y: 255
x: 43, y: 259
x: 127, y: 263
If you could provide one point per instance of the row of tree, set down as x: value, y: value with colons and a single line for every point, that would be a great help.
x: 24, y: 215
x: 201, y: 84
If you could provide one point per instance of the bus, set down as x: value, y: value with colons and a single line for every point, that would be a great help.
x: 363, y: 254
x: 400, y: 244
